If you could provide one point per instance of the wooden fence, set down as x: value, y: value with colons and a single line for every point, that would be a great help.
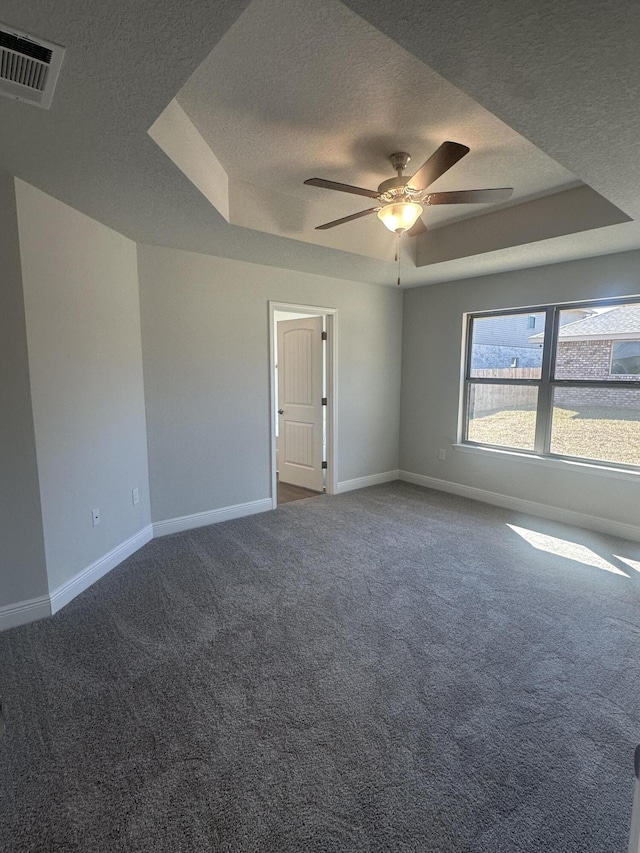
x: 494, y: 398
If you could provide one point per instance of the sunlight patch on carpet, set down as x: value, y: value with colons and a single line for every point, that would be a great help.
x: 566, y: 548
x: 634, y: 564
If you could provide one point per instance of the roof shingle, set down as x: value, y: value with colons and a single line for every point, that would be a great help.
x: 623, y: 319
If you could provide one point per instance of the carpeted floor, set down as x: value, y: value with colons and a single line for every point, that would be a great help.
x: 386, y: 670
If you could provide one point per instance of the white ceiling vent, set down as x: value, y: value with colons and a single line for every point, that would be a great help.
x: 29, y: 67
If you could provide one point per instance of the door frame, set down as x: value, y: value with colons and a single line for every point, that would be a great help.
x: 331, y: 351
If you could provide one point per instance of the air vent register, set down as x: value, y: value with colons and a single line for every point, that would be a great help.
x: 29, y: 67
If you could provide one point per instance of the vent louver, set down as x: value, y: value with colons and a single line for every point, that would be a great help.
x: 29, y: 67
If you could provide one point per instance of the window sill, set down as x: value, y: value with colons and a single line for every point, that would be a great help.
x: 566, y: 465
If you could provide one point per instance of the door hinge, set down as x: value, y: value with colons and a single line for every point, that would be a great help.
x: 324, y: 464
x: 324, y: 336
x: 324, y: 401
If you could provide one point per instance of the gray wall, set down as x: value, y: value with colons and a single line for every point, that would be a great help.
x: 205, y: 333
x: 85, y: 355
x: 432, y: 350
x: 22, y: 562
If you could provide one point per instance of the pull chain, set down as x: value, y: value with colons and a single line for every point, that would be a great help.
x: 398, y: 244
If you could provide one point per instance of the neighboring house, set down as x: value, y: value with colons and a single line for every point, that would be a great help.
x: 510, y: 342
x: 604, y: 346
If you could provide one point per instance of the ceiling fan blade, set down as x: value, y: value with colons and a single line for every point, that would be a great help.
x: 346, y: 219
x: 440, y: 161
x: 343, y: 188
x: 493, y: 196
x: 418, y: 228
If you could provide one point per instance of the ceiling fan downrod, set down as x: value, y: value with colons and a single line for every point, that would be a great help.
x: 400, y: 161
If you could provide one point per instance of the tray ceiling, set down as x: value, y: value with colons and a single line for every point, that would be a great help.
x: 279, y: 90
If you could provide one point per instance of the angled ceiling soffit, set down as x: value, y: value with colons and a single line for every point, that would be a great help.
x: 293, y: 91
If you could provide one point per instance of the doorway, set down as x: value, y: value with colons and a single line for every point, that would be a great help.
x: 303, y: 393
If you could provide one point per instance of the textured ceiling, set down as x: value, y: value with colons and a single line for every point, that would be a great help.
x: 563, y: 76
x: 296, y: 90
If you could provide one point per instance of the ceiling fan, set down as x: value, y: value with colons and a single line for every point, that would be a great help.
x: 401, y: 199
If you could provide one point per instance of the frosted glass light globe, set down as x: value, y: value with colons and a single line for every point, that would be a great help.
x: 400, y: 215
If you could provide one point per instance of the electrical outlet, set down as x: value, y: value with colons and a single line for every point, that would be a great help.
x: 135, y: 496
x: 95, y: 515
x: 442, y: 455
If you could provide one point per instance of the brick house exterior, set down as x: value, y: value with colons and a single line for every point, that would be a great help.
x: 583, y: 359
x: 507, y: 341
x: 586, y: 351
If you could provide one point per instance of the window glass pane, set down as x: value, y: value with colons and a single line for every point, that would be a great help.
x: 507, y: 347
x: 599, y: 343
x: 597, y: 423
x: 504, y: 415
x: 625, y: 359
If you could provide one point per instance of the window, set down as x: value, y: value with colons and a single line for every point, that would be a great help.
x: 625, y: 357
x: 570, y: 390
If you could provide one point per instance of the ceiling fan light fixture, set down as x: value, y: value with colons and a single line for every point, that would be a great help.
x: 399, y: 216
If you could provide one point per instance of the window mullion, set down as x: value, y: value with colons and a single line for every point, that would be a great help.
x: 467, y: 374
x: 582, y: 408
x: 545, y: 389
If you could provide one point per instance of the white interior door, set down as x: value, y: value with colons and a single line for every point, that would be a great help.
x: 300, y: 402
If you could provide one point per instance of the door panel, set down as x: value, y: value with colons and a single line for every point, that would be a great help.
x: 300, y: 402
x: 298, y: 442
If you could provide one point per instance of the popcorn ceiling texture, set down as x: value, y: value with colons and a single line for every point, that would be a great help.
x: 563, y: 75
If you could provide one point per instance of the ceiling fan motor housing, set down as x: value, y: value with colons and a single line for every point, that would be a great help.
x: 401, y: 199
x: 397, y: 183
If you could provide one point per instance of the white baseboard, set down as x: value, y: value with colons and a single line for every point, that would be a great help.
x: 363, y: 482
x: 566, y: 516
x: 213, y: 516
x: 23, y: 612
x: 84, y: 579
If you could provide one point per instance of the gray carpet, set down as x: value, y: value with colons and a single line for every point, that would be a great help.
x: 387, y: 670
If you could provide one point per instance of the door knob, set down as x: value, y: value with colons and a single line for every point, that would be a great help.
x: 281, y: 411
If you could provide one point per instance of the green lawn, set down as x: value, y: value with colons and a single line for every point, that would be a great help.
x: 612, y: 436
